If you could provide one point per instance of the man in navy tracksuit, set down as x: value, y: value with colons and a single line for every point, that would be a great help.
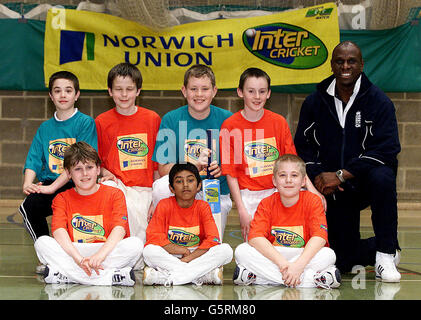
x: 348, y: 136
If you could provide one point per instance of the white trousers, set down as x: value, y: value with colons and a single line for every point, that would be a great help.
x: 182, y: 272
x: 161, y: 190
x: 268, y: 273
x: 138, y: 201
x: 125, y: 254
x: 251, y: 199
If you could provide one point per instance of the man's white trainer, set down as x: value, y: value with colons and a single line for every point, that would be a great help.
x: 385, y: 268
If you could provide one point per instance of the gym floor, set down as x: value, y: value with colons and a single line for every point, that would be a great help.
x: 18, y: 280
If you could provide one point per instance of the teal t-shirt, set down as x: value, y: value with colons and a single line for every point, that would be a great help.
x: 51, y: 140
x: 181, y: 137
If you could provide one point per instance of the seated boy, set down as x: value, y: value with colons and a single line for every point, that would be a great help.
x: 90, y: 243
x: 44, y: 161
x: 182, y: 136
x: 182, y: 241
x: 288, y: 236
x: 126, y: 140
x: 251, y: 140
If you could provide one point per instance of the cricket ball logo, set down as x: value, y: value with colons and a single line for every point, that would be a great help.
x: 286, y: 238
x: 57, y: 149
x: 285, y: 45
x: 87, y: 226
x: 261, y: 151
x: 183, y: 238
x: 133, y: 146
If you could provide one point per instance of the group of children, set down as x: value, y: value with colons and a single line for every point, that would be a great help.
x: 125, y: 190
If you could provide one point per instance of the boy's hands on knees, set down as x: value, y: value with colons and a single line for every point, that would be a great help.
x: 31, y: 188
x: 95, y: 262
x: 46, y: 189
x: 292, y: 274
x: 84, y: 265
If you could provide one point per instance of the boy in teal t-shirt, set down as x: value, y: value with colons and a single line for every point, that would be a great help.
x: 182, y: 136
x: 44, y: 161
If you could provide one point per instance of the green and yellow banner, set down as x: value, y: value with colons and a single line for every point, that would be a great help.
x: 293, y: 47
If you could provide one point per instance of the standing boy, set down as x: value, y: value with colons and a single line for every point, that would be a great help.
x: 126, y: 140
x: 288, y: 235
x: 251, y: 141
x: 182, y: 240
x: 91, y: 243
x: 44, y: 161
x: 182, y: 136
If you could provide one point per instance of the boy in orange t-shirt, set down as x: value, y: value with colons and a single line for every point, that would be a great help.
x: 126, y: 140
x: 250, y: 142
x: 288, y: 236
x: 91, y: 242
x: 182, y: 240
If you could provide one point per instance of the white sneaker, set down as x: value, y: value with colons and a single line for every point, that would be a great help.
x: 385, y: 268
x: 212, y: 277
x: 242, y: 276
x: 329, y: 278
x: 52, y: 276
x: 152, y: 277
x: 124, y: 277
x: 397, y: 258
x: 40, y: 269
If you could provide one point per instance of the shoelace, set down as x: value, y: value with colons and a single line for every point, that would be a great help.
x: 164, y: 275
x: 318, y: 279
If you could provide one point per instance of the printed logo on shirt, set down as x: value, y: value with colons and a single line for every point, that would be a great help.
x: 88, y: 228
x: 186, y: 237
x: 133, y: 151
x: 358, y: 119
x: 193, y: 148
x: 56, y: 149
x: 288, y: 236
x: 323, y: 227
x: 260, y: 156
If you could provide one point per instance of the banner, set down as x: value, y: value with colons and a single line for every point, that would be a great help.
x: 22, y: 56
x: 293, y: 47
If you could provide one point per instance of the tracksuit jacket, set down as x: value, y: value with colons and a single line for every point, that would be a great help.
x: 368, y: 139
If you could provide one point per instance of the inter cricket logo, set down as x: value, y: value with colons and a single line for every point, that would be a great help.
x: 287, y: 238
x: 285, y: 45
x: 57, y: 148
x: 183, y: 238
x: 193, y: 148
x: 132, y: 146
x: 87, y: 226
x: 261, y: 151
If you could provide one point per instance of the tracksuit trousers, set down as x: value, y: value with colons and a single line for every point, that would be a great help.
x: 36, y: 207
x: 378, y: 190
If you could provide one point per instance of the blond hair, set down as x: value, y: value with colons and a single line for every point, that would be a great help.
x: 287, y: 157
x: 199, y: 71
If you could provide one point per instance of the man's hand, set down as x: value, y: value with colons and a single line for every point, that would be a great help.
x: 327, y: 183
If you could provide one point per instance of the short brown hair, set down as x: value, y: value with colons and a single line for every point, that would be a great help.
x: 287, y: 157
x: 80, y: 152
x: 125, y: 69
x: 63, y: 75
x: 199, y: 71
x: 253, y: 72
